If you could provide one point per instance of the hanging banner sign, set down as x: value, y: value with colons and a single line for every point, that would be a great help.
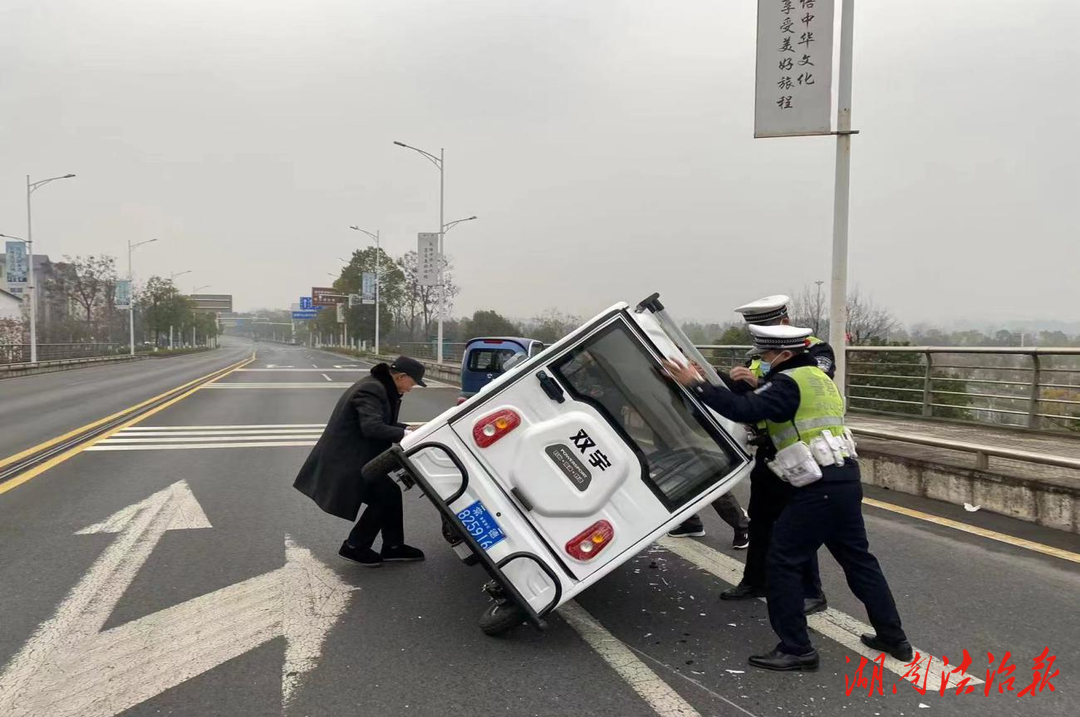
x: 427, y: 259
x: 122, y: 297
x: 341, y: 313
x: 17, y: 267
x: 794, y: 68
x: 367, y: 287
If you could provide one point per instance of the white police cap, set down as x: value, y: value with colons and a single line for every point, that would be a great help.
x: 771, y: 308
x: 779, y: 338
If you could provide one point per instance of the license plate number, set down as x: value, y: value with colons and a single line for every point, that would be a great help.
x: 481, y: 525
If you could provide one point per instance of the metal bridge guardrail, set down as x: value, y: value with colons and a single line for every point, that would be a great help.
x: 1037, y: 388
x: 982, y: 453
x: 20, y: 353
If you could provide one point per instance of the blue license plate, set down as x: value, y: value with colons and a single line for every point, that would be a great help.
x: 481, y: 525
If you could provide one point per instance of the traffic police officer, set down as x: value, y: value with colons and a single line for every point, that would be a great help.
x: 804, y: 416
x: 768, y: 494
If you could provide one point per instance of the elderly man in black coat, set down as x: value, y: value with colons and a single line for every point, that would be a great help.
x: 363, y: 425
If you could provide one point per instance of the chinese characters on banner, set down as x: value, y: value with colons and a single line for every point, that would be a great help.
x: 427, y: 258
x: 367, y: 287
x: 122, y: 298
x: 17, y: 267
x: 340, y: 313
x: 794, y: 68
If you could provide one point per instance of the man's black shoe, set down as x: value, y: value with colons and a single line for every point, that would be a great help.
x: 783, y: 662
x: 364, y: 556
x: 812, y: 605
x: 402, y: 554
x: 902, y: 650
x: 742, y: 591
x: 741, y: 541
x: 687, y: 530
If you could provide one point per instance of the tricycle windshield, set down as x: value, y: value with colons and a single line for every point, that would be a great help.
x: 682, y: 452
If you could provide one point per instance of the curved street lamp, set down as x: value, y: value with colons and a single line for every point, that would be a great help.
x: 440, y: 164
x: 378, y: 269
x: 131, y: 295
x: 32, y: 187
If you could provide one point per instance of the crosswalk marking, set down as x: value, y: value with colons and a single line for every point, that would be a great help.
x: 283, y: 384
x: 265, y: 426
x: 171, y: 438
x: 180, y: 446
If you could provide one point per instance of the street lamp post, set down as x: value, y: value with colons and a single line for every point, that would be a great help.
x: 131, y: 295
x: 32, y: 187
x: 196, y: 290
x: 440, y: 164
x: 172, y: 278
x: 378, y: 267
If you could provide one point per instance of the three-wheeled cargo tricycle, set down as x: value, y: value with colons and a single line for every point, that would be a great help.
x: 572, y: 462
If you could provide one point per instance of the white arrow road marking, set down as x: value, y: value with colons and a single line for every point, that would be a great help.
x: 70, y: 668
x: 831, y: 623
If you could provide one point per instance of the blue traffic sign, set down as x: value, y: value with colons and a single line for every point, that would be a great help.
x: 304, y: 314
x: 305, y: 303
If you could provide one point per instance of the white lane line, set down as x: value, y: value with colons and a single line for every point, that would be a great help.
x: 664, y: 700
x: 237, y: 433
x: 181, y: 446
x: 831, y: 623
x: 327, y: 377
x: 289, y: 369
x: 212, y: 439
x: 220, y: 386
x: 266, y: 426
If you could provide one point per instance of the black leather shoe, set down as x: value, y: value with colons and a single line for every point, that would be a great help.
x: 902, y: 650
x: 741, y: 541
x: 783, y: 662
x: 364, y: 556
x: 742, y: 591
x: 812, y: 605
x: 402, y: 554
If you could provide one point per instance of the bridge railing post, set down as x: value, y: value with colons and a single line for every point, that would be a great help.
x: 1033, y: 399
x: 927, y: 397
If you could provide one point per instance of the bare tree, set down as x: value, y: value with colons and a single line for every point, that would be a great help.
x: 422, y: 302
x: 86, y: 281
x: 866, y: 321
x: 810, y: 308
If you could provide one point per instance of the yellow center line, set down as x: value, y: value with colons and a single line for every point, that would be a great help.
x: 57, y: 460
x: 974, y: 530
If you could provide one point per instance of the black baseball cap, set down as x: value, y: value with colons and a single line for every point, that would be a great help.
x: 411, y: 368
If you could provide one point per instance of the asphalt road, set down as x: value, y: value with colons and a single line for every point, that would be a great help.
x: 115, y: 617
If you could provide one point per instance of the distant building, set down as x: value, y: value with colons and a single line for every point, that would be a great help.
x: 10, y: 305
x: 217, y: 304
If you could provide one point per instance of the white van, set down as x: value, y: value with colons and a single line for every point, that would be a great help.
x: 572, y: 462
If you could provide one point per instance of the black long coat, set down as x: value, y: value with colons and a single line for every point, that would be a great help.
x: 363, y: 425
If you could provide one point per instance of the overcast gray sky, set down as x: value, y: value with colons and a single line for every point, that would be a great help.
x: 606, y: 146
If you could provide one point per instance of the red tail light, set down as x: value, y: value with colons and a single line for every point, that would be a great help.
x: 491, y: 428
x: 589, y: 543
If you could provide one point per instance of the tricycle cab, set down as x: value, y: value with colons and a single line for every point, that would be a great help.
x: 575, y: 460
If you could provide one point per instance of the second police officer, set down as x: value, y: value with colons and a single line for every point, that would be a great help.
x: 768, y: 494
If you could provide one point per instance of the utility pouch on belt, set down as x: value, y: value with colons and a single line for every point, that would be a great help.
x: 796, y: 465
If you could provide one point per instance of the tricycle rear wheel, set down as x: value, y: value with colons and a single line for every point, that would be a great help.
x: 500, y: 618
